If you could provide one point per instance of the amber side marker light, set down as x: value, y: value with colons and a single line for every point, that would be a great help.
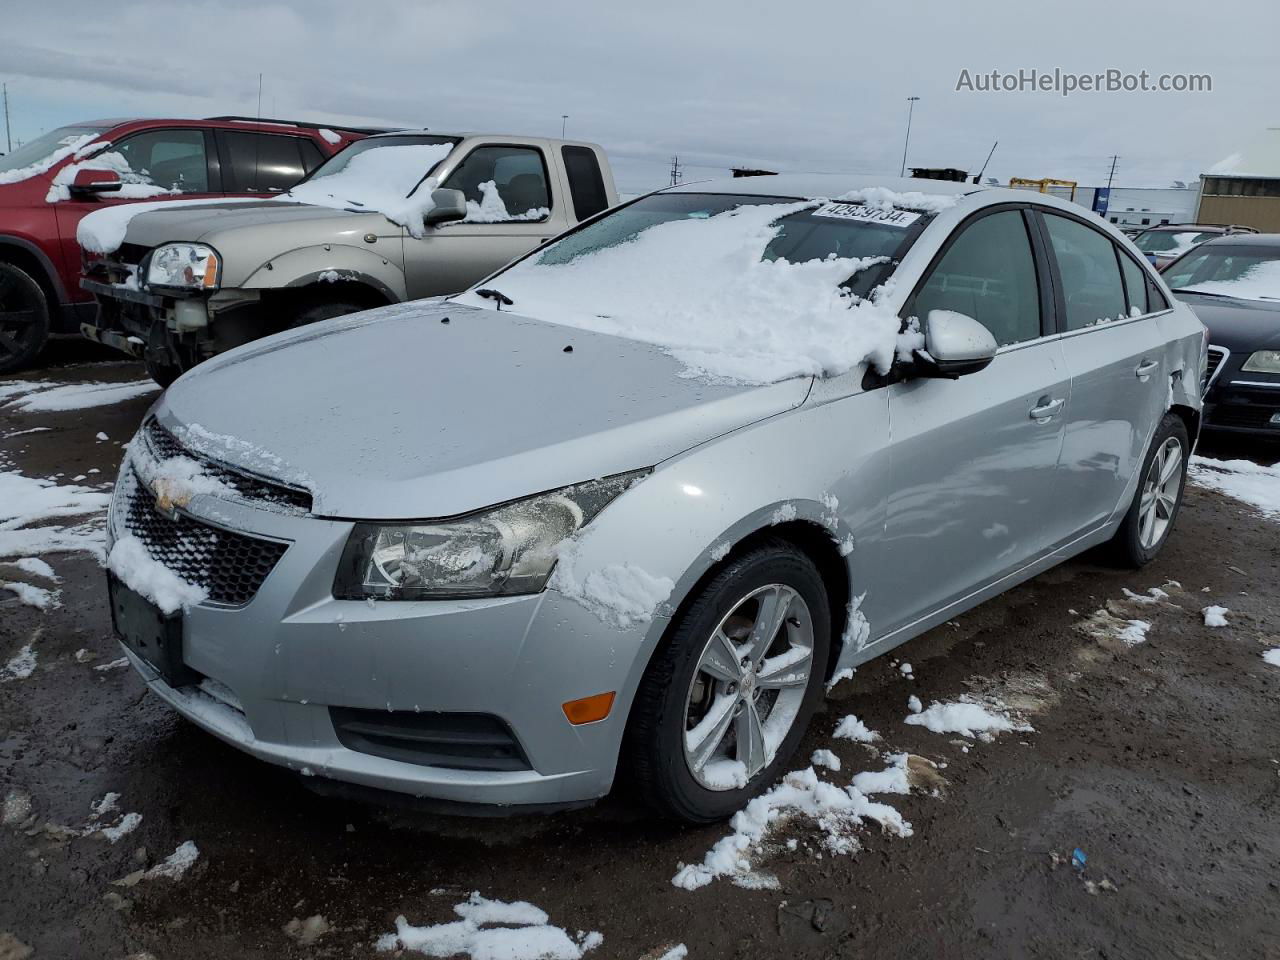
x: 589, y: 709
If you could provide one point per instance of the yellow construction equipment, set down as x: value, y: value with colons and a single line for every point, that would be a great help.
x: 1043, y: 185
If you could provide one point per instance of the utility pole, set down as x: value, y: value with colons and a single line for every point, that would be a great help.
x: 8, y: 137
x: 675, y: 171
x: 259, y: 96
x: 911, y: 106
x: 1112, y: 174
x: 564, y: 117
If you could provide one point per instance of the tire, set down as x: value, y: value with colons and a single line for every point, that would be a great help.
x: 675, y: 689
x: 24, y: 318
x: 1143, y: 532
x: 163, y: 373
x: 324, y: 310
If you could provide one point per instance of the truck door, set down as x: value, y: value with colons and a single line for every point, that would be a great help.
x: 513, y: 204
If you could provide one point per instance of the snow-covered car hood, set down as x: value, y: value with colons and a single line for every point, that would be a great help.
x: 434, y: 409
x: 214, y: 221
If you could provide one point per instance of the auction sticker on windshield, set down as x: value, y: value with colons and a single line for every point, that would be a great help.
x: 860, y: 211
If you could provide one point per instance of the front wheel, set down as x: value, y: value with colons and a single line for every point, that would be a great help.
x: 1150, y: 519
x: 24, y: 318
x: 729, y: 694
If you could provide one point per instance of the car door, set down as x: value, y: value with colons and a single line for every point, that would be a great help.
x: 182, y: 159
x: 975, y: 459
x: 512, y: 208
x: 1116, y: 356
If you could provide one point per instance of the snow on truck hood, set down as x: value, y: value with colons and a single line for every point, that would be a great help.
x: 395, y: 414
x: 164, y: 221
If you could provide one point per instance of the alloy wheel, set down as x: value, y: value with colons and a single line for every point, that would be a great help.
x: 1160, y: 493
x: 748, y: 687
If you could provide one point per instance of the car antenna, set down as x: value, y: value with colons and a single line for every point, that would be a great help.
x: 499, y: 298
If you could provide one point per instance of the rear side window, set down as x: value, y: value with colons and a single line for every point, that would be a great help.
x: 260, y: 162
x: 311, y: 155
x: 1135, y: 284
x: 503, y: 184
x: 989, y: 274
x: 1091, y: 284
x: 173, y: 159
x: 586, y: 184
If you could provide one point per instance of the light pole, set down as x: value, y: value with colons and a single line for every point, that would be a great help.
x: 563, y: 119
x: 911, y: 106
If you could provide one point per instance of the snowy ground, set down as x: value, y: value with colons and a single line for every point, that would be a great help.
x: 933, y: 809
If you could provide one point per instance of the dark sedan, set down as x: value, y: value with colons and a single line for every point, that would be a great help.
x: 1233, y: 284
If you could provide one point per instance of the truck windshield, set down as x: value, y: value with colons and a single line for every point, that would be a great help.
x: 389, y: 164
x: 739, y: 287
x: 43, y: 152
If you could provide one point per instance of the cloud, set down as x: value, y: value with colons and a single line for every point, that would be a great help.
x: 807, y: 86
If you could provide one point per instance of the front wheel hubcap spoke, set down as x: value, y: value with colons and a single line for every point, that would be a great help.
x: 721, y: 659
x: 703, y: 741
x: 751, y: 748
x: 790, y: 669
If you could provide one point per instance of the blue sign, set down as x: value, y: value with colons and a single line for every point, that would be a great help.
x: 1101, y: 197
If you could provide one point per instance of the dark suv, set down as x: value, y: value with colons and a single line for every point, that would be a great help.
x: 50, y: 183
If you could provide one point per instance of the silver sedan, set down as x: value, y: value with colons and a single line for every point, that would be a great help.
x: 642, y: 496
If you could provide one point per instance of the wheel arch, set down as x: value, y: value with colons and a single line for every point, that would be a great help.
x: 28, y: 257
x: 815, y: 542
x: 1190, y: 418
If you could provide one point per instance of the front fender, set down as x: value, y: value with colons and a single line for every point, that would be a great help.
x: 825, y: 466
x: 306, y: 265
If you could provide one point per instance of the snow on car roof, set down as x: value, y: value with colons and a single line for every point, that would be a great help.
x: 810, y: 185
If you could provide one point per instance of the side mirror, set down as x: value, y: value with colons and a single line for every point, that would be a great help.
x: 954, y: 345
x: 449, y: 205
x: 90, y: 182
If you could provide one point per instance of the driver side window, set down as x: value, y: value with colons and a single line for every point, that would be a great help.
x: 989, y: 274
x: 503, y: 185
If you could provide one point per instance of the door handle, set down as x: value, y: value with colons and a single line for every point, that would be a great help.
x: 1147, y: 367
x: 1045, y: 409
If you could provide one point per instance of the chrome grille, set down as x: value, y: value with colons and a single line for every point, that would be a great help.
x: 230, y: 566
x: 1216, y: 357
x: 249, y: 488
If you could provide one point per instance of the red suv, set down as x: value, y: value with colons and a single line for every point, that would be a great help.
x: 47, y: 185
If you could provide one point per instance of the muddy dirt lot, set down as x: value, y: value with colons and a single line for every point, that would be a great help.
x: 1159, y: 760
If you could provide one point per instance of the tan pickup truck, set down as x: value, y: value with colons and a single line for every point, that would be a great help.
x: 391, y: 218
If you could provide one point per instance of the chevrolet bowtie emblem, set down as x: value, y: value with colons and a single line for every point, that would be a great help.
x: 168, y: 500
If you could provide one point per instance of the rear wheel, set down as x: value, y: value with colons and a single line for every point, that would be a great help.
x: 1155, y: 505
x: 723, y: 705
x: 24, y: 318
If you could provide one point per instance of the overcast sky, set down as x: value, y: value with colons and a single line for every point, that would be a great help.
x: 798, y: 86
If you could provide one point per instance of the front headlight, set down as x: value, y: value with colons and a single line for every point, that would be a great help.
x: 191, y: 266
x: 1264, y: 361
x: 498, y: 552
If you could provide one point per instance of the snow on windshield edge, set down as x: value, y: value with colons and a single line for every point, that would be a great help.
x: 66, y: 147
x: 379, y: 180
x: 720, y: 309
x: 1259, y: 282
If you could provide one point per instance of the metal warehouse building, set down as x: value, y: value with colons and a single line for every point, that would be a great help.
x: 1245, y: 187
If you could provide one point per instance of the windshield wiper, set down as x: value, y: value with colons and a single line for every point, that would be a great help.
x: 499, y: 298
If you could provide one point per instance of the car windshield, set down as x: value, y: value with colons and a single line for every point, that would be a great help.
x: 42, y: 153
x: 1245, y: 272
x: 745, y: 288
x: 1170, y: 241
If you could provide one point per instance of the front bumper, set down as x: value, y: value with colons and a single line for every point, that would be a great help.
x: 1242, y: 402
x: 278, y: 663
